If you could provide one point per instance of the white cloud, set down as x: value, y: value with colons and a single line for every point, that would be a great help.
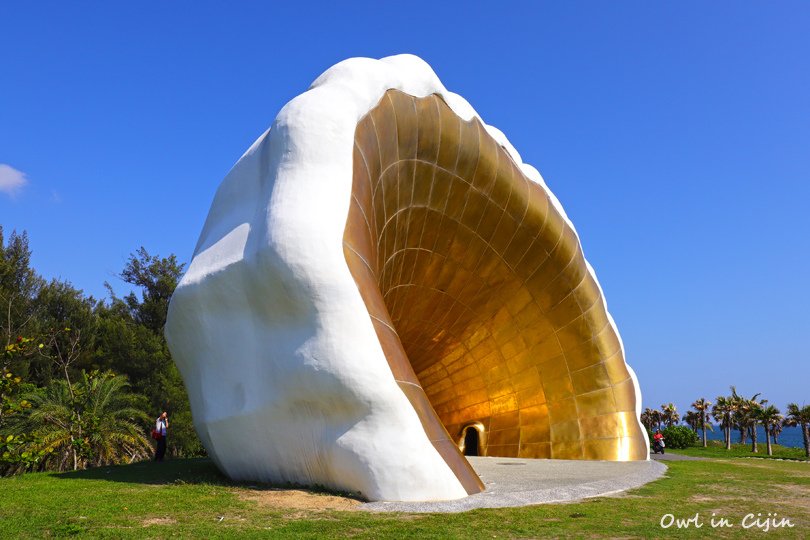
x: 11, y: 180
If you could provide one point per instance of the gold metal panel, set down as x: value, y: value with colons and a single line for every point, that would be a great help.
x: 527, y: 379
x: 518, y: 247
x: 503, y: 234
x: 428, y: 127
x: 365, y: 139
x: 616, y: 368
x: 567, y: 431
x: 508, y: 420
x: 502, y: 188
x: 537, y: 208
x: 574, y: 333
x: 480, y: 295
x: 468, y: 151
x: 504, y: 436
x: 624, y: 394
x: 535, y: 433
x: 406, y: 124
x: 510, y: 450
x: 562, y: 411
x: 489, y: 221
x: 590, y: 379
x: 534, y: 416
x: 601, y: 427
x: 489, y: 155
x: 385, y: 126
x: 531, y: 397
x: 450, y: 137
x: 516, y: 206
x: 570, y: 450
x: 593, y: 449
x: 534, y: 257
x: 442, y: 180
x: 530, y: 450
x: 596, y: 403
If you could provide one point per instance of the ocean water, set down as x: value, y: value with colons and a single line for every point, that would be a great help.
x: 790, y: 436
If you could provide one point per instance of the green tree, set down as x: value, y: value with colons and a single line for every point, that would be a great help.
x: 745, y: 416
x: 691, y: 419
x: 723, y: 411
x: 95, y: 421
x: 157, y: 278
x: 13, y: 408
x: 800, y: 416
x: 669, y: 414
x: 66, y: 325
x: 131, y: 334
x: 679, y: 437
x: 702, y: 407
x: 19, y: 287
x: 768, y: 416
x: 649, y: 418
x: 776, y: 429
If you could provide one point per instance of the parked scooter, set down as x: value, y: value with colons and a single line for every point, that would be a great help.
x: 658, y: 442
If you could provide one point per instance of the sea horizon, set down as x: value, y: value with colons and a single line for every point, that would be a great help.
x: 791, y: 436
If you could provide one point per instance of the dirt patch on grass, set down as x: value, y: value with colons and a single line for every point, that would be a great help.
x: 158, y: 521
x: 796, y: 495
x: 296, y: 499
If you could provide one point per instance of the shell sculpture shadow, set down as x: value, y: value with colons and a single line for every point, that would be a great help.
x: 382, y: 286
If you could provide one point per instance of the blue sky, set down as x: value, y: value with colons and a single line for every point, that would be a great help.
x: 676, y: 135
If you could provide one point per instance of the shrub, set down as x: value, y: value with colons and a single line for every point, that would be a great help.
x: 679, y: 437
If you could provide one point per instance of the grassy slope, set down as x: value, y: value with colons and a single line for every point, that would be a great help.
x: 716, y: 449
x: 125, y: 502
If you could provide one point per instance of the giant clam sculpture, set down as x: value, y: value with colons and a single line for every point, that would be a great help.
x: 380, y: 277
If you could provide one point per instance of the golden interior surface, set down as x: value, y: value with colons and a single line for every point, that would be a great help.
x: 480, y: 295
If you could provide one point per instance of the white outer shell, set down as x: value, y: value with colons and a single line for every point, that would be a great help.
x: 285, y: 374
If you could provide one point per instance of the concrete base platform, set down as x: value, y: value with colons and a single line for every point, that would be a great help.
x: 523, y: 482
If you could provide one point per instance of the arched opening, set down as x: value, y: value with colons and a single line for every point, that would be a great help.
x: 471, y: 441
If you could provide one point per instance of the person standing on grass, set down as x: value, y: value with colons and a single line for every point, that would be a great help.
x: 161, y: 426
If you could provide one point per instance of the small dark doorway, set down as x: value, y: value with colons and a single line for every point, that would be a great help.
x: 471, y: 441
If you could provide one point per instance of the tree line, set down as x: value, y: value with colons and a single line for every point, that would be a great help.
x: 81, y: 378
x: 735, y: 412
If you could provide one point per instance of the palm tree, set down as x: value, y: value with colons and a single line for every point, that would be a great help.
x: 691, y: 419
x: 88, y: 423
x: 776, y: 427
x: 723, y: 411
x: 746, y: 417
x: 648, y: 418
x: 756, y: 407
x: 118, y: 431
x: 54, y: 424
x: 738, y: 418
x: 800, y: 416
x: 669, y: 414
x: 651, y: 418
x: 768, y: 416
x: 701, y: 407
x: 658, y: 417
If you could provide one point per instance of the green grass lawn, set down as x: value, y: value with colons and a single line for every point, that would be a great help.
x: 717, y: 449
x: 188, y: 498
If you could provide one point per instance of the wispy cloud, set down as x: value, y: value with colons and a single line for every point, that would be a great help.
x: 11, y: 180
